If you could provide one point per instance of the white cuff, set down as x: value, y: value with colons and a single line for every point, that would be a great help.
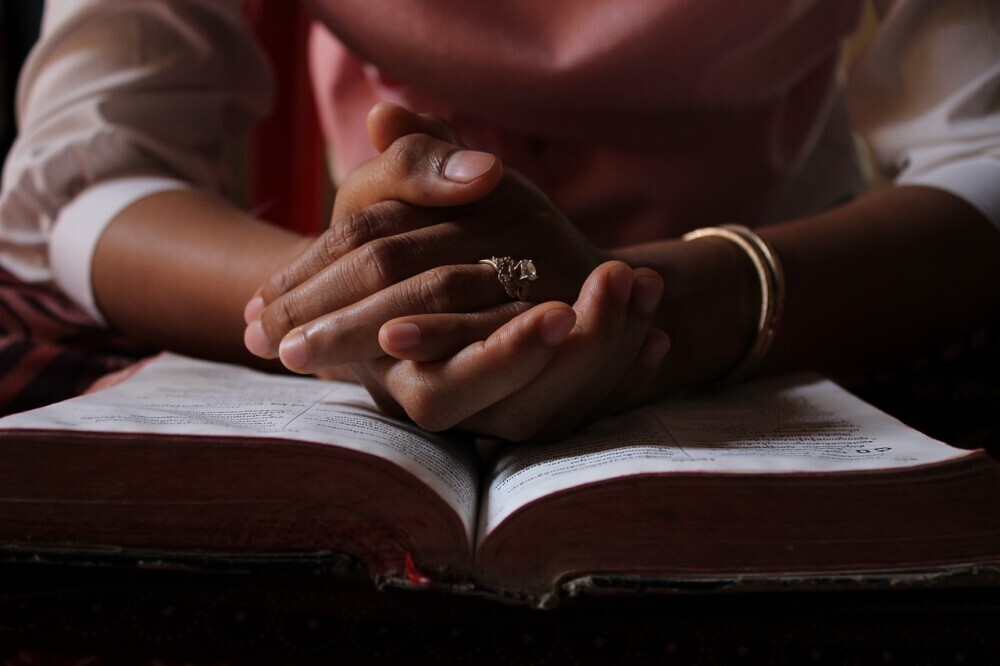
x: 975, y: 180
x: 80, y: 225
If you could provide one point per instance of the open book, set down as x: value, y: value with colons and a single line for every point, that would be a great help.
x: 786, y: 480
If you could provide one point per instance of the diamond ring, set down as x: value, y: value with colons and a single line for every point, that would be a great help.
x: 515, y: 276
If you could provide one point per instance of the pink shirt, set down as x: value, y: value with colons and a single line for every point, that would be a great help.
x: 640, y: 119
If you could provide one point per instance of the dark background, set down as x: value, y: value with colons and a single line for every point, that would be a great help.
x: 19, y: 21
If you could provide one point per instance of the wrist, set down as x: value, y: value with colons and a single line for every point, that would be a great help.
x: 771, y: 291
x: 710, y: 308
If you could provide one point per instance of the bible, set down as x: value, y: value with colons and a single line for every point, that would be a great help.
x: 787, y: 481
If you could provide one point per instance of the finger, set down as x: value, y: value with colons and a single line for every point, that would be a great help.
x: 416, y: 169
x: 422, y: 170
x: 631, y: 389
x: 439, y: 395
x: 444, y: 394
x: 603, y: 311
x: 644, y: 345
x: 350, y: 334
x: 435, y: 337
x: 380, y: 220
x: 596, y: 371
x: 374, y: 267
x: 387, y: 122
x: 603, y: 303
x: 620, y: 375
x: 370, y: 375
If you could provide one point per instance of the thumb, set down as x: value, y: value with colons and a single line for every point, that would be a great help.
x: 420, y: 170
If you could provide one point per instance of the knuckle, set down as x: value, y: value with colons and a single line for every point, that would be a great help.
x: 412, y: 155
x: 289, y: 313
x: 277, y: 285
x: 361, y: 227
x: 424, y: 407
x: 350, y: 233
x: 437, y: 290
x: 337, y: 240
x: 380, y: 261
x: 406, y: 153
x: 282, y: 316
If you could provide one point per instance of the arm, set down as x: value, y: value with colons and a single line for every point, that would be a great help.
x: 115, y: 93
x: 175, y: 269
x: 907, y: 265
x: 878, y: 279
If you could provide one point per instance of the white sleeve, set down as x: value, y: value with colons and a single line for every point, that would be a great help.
x: 115, y: 90
x: 926, y: 96
x: 80, y: 225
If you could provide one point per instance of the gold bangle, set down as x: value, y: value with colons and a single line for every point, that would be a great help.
x: 772, y: 291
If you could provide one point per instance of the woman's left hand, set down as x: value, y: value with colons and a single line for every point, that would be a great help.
x: 405, y: 239
x: 538, y: 376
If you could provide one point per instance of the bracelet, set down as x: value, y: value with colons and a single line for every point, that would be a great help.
x: 772, y: 291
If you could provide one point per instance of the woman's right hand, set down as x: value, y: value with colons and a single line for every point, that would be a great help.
x: 408, y: 231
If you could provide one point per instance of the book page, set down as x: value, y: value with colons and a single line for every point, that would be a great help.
x: 182, y: 396
x: 788, y: 425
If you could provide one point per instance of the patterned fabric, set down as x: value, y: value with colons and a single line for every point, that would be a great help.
x: 49, y: 349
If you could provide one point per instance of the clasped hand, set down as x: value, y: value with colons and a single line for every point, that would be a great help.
x: 393, y: 290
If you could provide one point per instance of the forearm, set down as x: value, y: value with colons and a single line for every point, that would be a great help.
x: 883, y: 278
x: 875, y: 280
x: 176, y: 269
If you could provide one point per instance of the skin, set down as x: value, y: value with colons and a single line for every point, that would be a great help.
x: 175, y: 270
x: 393, y: 292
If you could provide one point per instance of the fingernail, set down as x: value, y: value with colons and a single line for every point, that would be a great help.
x: 253, y: 309
x: 256, y: 341
x: 654, y: 351
x: 621, y: 283
x: 292, y: 351
x: 464, y: 166
x: 556, y: 325
x: 401, y: 336
x: 647, y: 293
